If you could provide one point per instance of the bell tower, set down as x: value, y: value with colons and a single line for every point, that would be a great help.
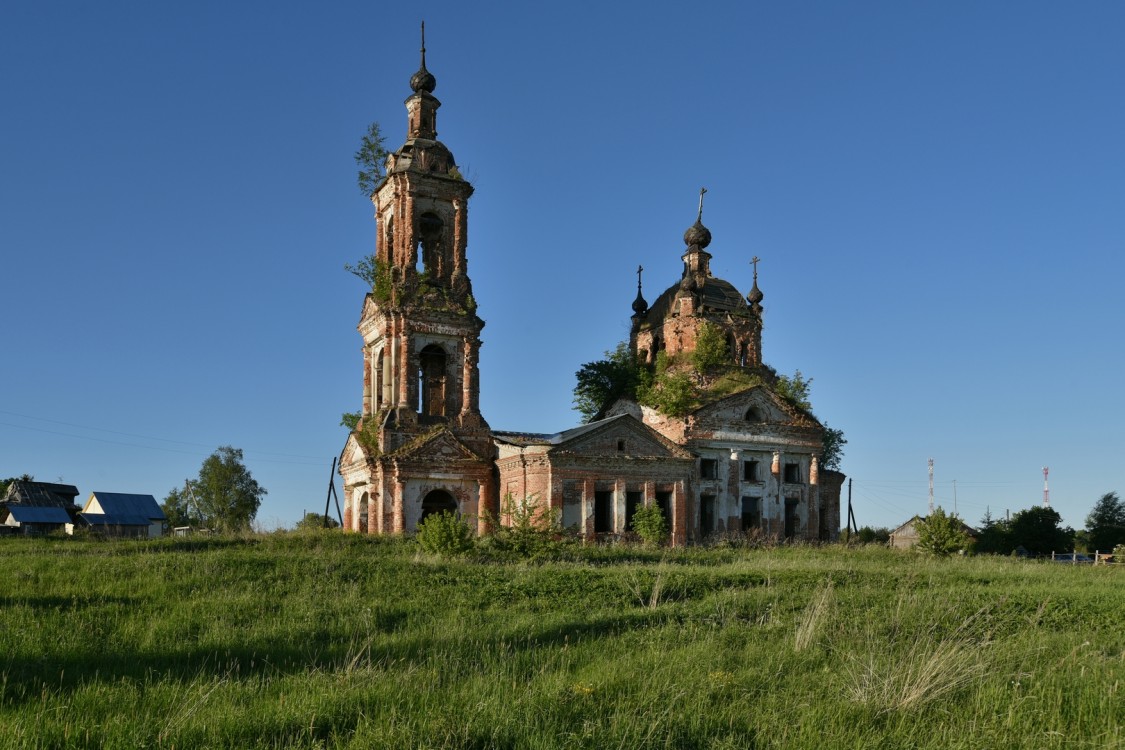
x: 421, y: 328
x: 421, y: 332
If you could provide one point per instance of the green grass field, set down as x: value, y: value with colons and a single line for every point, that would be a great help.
x: 327, y: 640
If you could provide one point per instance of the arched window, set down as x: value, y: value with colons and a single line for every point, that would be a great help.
x: 754, y: 415
x: 431, y: 381
x: 438, y: 501
x: 377, y: 379
x: 430, y: 257
x: 361, y: 518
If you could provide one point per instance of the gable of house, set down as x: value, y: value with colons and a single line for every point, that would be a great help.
x: 121, y: 504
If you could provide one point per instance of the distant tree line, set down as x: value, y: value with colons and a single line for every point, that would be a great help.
x: 1036, y: 531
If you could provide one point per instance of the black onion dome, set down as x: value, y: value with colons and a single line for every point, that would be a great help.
x: 640, y: 306
x: 423, y: 80
x: 697, y: 235
x: 755, y: 296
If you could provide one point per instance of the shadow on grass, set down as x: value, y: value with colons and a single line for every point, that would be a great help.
x: 24, y: 679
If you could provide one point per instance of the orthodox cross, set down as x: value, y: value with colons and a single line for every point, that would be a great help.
x: 754, y: 262
x: 639, y: 269
x: 701, y: 192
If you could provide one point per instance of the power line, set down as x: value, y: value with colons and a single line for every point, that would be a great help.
x: 309, y: 460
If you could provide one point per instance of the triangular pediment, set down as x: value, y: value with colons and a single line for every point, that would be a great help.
x: 353, y: 452
x: 756, y: 405
x: 620, y: 435
x: 439, y: 446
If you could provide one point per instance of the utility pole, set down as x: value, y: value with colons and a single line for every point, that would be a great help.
x: 1046, y: 490
x: 332, y: 494
x: 954, y: 497
x: 931, y: 486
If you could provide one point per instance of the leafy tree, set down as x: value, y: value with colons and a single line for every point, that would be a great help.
x: 369, y: 269
x: 994, y: 537
x: 350, y: 419
x: 832, y: 448
x: 710, y: 349
x: 1105, y: 525
x: 873, y: 535
x: 315, y: 521
x: 673, y: 393
x: 1037, y: 530
x: 603, y: 382
x: 941, y: 534
x: 227, y: 495
x: 178, y: 508
x: 371, y: 158
x: 445, y: 534
x: 795, y: 390
x: 651, y: 525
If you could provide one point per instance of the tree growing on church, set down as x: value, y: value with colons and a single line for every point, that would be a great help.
x: 603, y: 382
x: 371, y: 158
x: 224, y: 496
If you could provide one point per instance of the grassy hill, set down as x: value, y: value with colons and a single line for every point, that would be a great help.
x: 331, y: 640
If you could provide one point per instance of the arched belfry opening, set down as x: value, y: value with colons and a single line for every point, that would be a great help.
x: 432, y: 378
x: 438, y: 501
x: 431, y: 256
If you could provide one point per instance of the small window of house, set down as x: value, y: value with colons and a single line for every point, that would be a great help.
x: 753, y: 415
x: 792, y: 473
x: 620, y: 446
x: 749, y: 471
x: 709, y: 468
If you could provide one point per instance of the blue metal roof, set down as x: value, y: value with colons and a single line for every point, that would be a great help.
x: 121, y: 503
x: 115, y: 519
x: 34, y: 514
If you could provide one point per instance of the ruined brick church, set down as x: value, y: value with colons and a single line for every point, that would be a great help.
x: 739, y: 462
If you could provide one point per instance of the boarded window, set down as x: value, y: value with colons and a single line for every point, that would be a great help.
x: 572, y: 505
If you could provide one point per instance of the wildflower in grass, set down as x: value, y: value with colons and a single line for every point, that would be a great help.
x: 720, y: 678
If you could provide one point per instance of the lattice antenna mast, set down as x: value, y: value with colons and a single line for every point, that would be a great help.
x: 1046, y: 489
x: 931, y: 486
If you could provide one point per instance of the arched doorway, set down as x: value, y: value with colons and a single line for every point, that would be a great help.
x: 438, y: 501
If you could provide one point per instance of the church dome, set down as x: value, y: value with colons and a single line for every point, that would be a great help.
x: 755, y: 296
x: 423, y: 80
x: 697, y: 235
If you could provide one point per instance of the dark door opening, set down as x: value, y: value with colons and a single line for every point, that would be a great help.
x: 436, y: 502
x: 603, y: 512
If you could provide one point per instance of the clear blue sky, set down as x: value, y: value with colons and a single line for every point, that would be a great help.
x: 936, y: 191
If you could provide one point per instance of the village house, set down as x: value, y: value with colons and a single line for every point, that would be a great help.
x: 30, y: 507
x: 123, y: 515
x: 742, y: 459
